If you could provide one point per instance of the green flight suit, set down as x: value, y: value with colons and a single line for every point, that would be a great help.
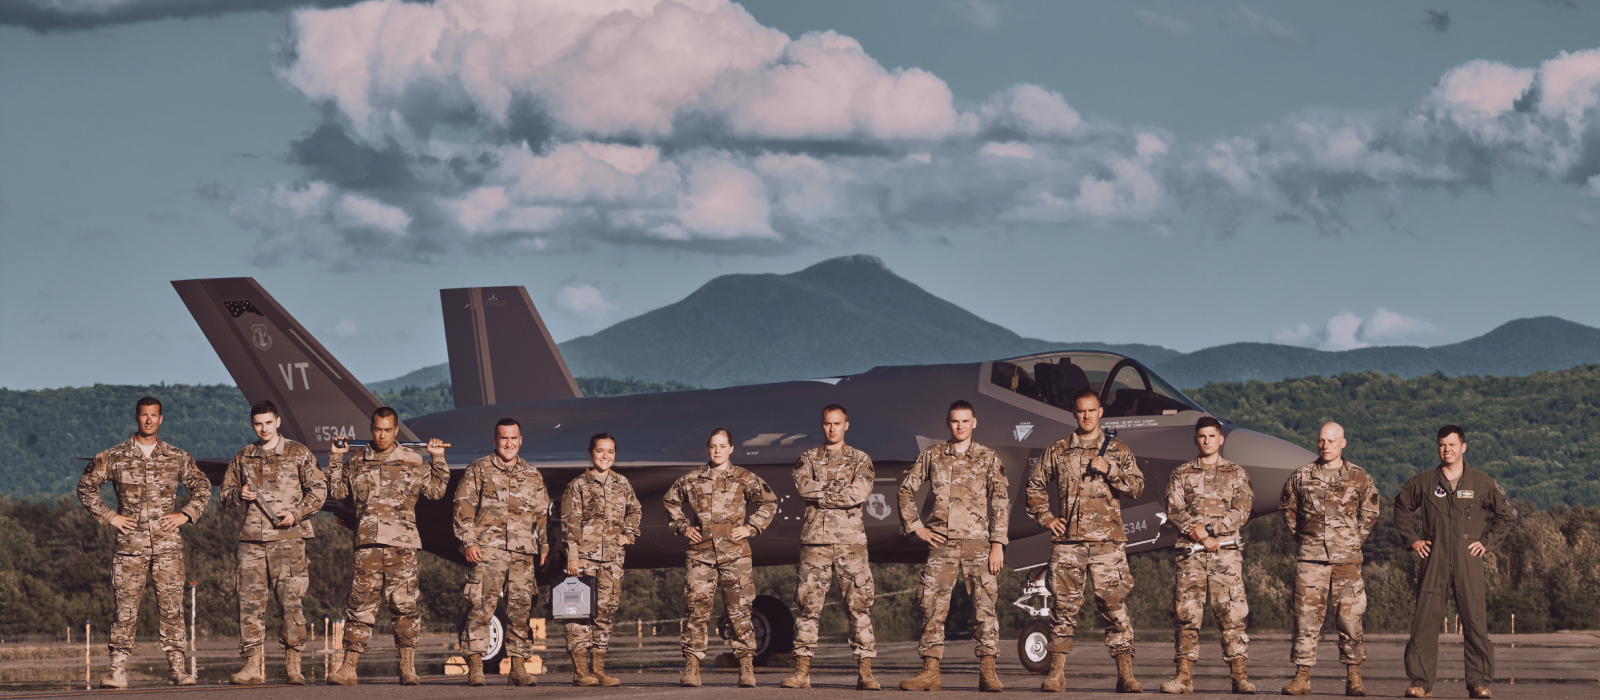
x: 1452, y: 519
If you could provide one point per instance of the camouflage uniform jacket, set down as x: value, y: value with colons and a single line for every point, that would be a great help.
x: 290, y: 479
x: 1330, y: 511
x: 502, y: 506
x: 146, y: 490
x: 1092, y: 511
x: 835, y: 485
x: 600, y: 516
x: 385, y: 487
x: 719, y: 506
x: 1219, y: 496
x: 968, y: 492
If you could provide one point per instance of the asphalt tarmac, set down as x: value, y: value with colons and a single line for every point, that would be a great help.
x: 1556, y: 666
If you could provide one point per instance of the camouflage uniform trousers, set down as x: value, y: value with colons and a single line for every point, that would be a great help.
x: 388, y: 572
x: 700, y: 582
x: 596, y: 634
x: 818, y: 563
x: 515, y: 574
x: 128, y: 571
x: 963, y: 559
x: 1222, y: 575
x: 1071, y: 563
x: 276, y: 570
x: 1314, y: 583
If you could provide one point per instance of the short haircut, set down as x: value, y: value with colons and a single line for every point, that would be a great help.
x: 719, y: 431
x: 1207, y: 422
x: 1449, y: 429
x: 507, y: 422
x: 1086, y: 394
x: 597, y: 437
x: 830, y: 408
x: 385, y: 412
x: 147, y: 401
x: 263, y: 406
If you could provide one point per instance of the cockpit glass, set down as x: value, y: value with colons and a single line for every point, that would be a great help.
x: 1055, y: 378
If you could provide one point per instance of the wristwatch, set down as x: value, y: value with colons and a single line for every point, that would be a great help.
x: 1210, y: 531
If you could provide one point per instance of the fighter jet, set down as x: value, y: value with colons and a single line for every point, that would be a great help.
x: 504, y: 364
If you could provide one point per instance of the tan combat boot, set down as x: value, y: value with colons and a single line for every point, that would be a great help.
x: 988, y: 680
x: 581, y: 677
x: 1126, y: 683
x: 801, y: 678
x: 519, y: 673
x: 346, y: 673
x: 926, y: 679
x: 1352, y: 681
x: 291, y: 667
x: 597, y: 666
x: 691, y: 672
x: 864, y: 679
x: 1241, y: 677
x: 1183, y: 682
x: 252, y: 673
x: 1301, y: 685
x: 408, y: 666
x: 475, y: 670
x: 178, y: 674
x: 117, y: 676
x: 747, y: 671
x: 1056, y: 680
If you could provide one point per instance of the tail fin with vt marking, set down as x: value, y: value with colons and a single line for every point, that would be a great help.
x: 271, y: 356
x: 500, y: 350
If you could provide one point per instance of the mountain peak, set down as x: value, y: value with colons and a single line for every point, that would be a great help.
x: 850, y: 261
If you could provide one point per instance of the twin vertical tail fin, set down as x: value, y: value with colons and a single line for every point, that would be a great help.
x: 500, y: 350
x: 272, y: 357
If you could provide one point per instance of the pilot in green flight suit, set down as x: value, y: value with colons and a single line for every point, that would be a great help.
x: 1451, y: 504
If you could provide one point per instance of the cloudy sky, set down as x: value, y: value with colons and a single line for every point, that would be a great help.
x: 1181, y: 174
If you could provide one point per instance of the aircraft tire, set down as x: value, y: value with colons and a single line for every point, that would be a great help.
x: 1030, y: 645
x: 774, y: 627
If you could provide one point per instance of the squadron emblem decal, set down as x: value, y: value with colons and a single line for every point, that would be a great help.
x: 878, y: 506
x: 1022, y: 431
x: 259, y: 337
x: 1440, y: 492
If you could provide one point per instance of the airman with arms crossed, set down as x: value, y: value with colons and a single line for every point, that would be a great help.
x: 835, y: 481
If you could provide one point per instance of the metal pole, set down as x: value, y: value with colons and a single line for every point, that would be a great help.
x: 194, y: 663
x: 86, y: 681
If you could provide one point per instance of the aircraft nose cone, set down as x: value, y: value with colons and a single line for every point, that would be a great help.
x: 1268, y: 460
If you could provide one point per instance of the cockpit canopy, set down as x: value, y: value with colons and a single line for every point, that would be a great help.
x: 1125, y: 387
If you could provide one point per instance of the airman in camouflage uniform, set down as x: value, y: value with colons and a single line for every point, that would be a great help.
x: 1088, y: 538
x: 719, y: 553
x: 966, y: 529
x: 834, y: 480
x: 501, y: 511
x: 385, y: 479
x: 280, y: 476
x: 599, y: 518
x: 146, y: 471
x: 1330, y: 505
x: 1208, y: 501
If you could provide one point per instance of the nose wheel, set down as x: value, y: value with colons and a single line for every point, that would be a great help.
x: 1036, y: 634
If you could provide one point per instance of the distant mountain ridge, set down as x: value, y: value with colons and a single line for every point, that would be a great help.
x: 850, y: 314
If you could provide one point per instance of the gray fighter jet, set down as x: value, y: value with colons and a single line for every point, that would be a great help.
x: 503, y: 363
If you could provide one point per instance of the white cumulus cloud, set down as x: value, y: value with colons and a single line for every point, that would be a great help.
x: 584, y: 299
x: 1347, y: 331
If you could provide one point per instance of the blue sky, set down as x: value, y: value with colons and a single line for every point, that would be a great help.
x: 1183, y: 174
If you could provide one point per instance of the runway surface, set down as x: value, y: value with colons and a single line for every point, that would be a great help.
x: 1557, y: 666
